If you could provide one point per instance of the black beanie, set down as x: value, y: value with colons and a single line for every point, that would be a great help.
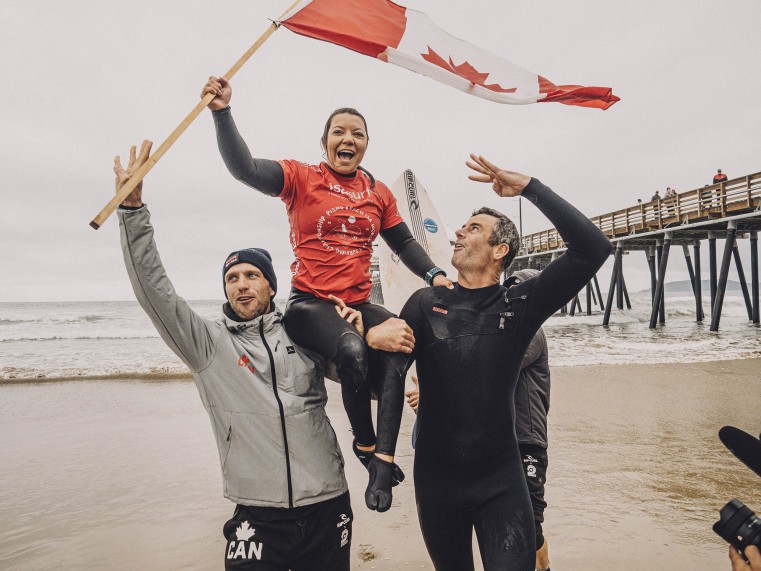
x: 258, y: 257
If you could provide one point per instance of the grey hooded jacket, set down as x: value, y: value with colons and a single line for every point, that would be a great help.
x: 265, y: 397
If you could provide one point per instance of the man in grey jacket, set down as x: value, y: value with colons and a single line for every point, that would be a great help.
x: 281, y: 463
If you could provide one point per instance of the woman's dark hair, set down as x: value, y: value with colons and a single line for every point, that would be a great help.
x: 350, y: 111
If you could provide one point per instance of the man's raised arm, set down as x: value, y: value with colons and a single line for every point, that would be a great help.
x: 186, y: 333
x: 588, y: 248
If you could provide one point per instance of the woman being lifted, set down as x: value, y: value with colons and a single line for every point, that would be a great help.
x: 335, y: 210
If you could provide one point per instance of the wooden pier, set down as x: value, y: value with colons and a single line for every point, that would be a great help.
x: 729, y: 211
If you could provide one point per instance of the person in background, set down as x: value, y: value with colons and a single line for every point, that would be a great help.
x: 656, y: 200
x: 532, y: 404
x: 670, y: 201
x: 719, y: 177
x: 739, y: 564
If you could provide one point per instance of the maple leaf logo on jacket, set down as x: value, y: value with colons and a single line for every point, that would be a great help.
x: 244, y: 531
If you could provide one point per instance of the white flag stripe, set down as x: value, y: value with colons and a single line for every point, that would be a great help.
x: 422, y: 33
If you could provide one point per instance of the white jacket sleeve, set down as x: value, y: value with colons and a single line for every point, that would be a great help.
x: 191, y: 337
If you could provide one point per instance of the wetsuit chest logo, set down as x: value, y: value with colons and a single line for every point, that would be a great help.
x: 440, y: 310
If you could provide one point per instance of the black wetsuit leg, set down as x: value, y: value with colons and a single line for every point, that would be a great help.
x: 314, y: 324
x: 452, y: 501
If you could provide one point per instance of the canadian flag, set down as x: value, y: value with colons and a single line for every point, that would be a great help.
x: 408, y: 38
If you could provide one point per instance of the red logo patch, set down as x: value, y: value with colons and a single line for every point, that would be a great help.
x: 439, y: 310
x: 244, y: 361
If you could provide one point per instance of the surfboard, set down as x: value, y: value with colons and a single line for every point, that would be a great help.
x: 397, y: 283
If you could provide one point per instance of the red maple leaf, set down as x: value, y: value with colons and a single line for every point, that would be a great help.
x: 464, y: 70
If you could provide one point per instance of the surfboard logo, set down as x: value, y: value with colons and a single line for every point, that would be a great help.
x: 413, y: 205
x: 430, y: 225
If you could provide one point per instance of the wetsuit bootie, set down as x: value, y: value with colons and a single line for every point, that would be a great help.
x: 378, y: 493
x: 366, y: 455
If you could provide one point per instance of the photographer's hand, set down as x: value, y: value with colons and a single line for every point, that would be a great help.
x: 739, y: 564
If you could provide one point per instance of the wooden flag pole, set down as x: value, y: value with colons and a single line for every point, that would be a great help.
x: 124, y: 192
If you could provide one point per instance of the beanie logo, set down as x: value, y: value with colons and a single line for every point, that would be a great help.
x: 244, y: 361
x: 231, y: 260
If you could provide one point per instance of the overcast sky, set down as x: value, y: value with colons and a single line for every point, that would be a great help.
x: 86, y: 79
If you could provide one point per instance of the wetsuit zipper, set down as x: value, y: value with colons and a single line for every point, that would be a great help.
x: 282, y: 414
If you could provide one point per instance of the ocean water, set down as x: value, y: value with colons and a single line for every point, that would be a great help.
x: 116, y: 339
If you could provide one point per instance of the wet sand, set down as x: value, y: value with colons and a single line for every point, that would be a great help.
x: 125, y: 474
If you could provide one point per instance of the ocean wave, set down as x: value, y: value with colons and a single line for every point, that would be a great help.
x: 48, y: 319
x: 78, y: 337
x: 22, y: 375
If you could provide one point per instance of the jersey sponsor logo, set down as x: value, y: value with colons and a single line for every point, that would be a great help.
x: 242, y: 547
x: 244, y: 361
x: 430, y: 225
x: 440, y: 310
x: 346, y: 230
x: 353, y: 195
x: 344, y: 537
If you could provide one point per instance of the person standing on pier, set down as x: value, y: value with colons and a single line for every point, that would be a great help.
x: 470, y: 343
x: 719, y: 177
x: 656, y: 200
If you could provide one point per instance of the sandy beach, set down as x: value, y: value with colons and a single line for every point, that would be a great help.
x: 125, y: 474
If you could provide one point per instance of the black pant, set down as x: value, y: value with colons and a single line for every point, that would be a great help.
x: 314, y: 538
x: 452, y: 501
x: 535, y: 467
x: 314, y: 324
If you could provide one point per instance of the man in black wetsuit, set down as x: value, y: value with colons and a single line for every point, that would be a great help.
x: 470, y: 343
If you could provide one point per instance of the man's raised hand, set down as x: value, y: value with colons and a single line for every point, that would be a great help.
x: 135, y: 198
x: 505, y: 183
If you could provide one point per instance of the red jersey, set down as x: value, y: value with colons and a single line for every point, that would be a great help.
x: 334, y: 221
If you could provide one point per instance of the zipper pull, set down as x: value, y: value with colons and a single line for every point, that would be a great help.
x: 229, y: 432
x: 504, y: 315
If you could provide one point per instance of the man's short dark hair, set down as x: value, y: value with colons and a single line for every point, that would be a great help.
x: 504, y: 232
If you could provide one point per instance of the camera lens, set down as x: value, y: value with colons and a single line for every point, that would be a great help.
x: 738, y: 525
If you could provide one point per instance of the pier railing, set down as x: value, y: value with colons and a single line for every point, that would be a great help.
x: 714, y: 201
